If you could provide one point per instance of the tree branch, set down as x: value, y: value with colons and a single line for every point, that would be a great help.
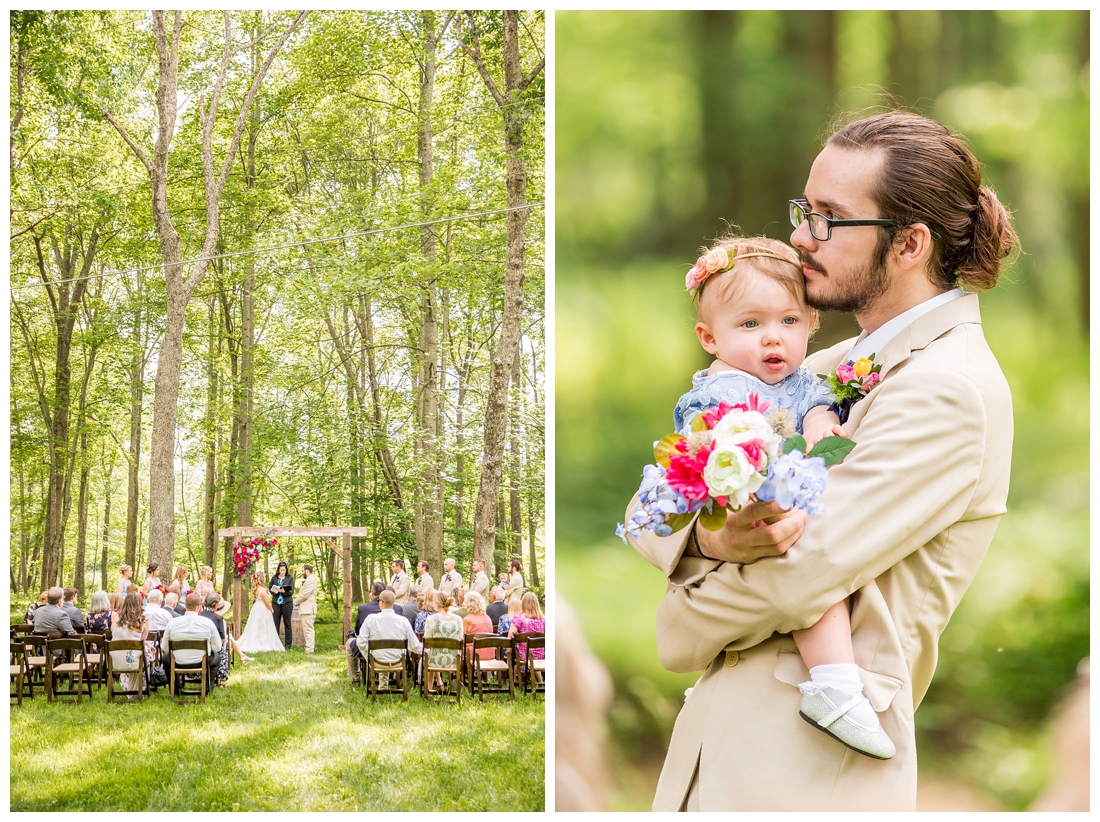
x: 129, y: 141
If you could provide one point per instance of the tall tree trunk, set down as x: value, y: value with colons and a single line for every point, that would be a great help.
x: 178, y: 290
x: 516, y: 524
x: 106, y: 526
x: 210, y: 433
x: 510, y: 102
x: 137, y: 375
x: 81, y: 516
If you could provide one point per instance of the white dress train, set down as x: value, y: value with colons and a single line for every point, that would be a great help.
x: 260, y: 633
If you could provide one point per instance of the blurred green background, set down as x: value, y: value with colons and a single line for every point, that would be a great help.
x: 670, y: 123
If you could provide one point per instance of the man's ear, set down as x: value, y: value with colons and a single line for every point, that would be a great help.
x: 913, y: 250
x: 706, y: 339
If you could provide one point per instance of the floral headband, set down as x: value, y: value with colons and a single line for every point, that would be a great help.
x: 718, y: 261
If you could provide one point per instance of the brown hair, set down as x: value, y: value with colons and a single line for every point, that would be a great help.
x: 774, y: 259
x: 117, y: 598
x: 929, y: 175
x: 131, y: 614
x: 531, y: 606
x: 443, y: 600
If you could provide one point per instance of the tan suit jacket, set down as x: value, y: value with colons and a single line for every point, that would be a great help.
x: 425, y: 582
x: 401, y: 584
x: 307, y: 596
x: 480, y: 584
x: 908, y: 518
x: 451, y: 581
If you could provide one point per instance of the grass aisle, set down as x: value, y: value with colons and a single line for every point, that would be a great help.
x: 287, y: 733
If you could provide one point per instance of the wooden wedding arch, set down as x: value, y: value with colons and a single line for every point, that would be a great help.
x: 327, y: 534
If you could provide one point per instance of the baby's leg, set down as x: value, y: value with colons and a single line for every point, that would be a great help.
x: 829, y: 642
x: 832, y: 700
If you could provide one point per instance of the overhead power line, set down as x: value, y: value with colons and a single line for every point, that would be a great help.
x: 282, y: 246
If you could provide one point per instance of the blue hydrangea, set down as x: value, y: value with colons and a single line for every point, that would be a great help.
x: 795, y: 480
x: 657, y: 499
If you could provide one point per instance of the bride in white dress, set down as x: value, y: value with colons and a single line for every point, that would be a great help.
x: 260, y: 633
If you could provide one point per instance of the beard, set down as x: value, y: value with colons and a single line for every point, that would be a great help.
x: 857, y: 291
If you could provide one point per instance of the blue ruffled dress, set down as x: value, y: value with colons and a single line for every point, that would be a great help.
x: 798, y: 393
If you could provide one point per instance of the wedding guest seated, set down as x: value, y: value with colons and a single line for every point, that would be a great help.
x: 477, y: 622
x: 504, y: 625
x: 34, y: 606
x: 192, y: 626
x: 132, y: 589
x: 426, y: 604
x: 529, y: 621
x: 459, y: 608
x: 76, y: 617
x: 116, y: 605
x: 51, y: 617
x: 497, y: 607
x: 100, y: 617
x: 387, y: 624
x: 446, y: 625
x: 131, y: 624
x: 159, y: 617
x: 410, y: 609
x: 210, y: 611
x: 172, y: 599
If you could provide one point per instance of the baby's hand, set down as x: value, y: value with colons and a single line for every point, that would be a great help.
x: 819, y: 423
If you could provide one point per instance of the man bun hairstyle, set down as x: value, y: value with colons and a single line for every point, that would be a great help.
x: 929, y: 175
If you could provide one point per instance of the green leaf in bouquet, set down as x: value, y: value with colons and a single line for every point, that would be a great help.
x: 699, y: 423
x: 678, y: 521
x: 713, y: 519
x: 792, y: 442
x: 832, y: 449
x: 665, y: 448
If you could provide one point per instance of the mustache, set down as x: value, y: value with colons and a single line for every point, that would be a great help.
x: 808, y: 261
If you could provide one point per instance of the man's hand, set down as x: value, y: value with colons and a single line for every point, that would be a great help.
x: 758, y: 530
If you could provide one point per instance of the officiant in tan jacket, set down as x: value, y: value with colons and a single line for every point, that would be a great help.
x: 908, y: 516
x: 307, y: 605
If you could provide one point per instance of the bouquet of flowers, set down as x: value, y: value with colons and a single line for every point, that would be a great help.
x: 732, y: 454
x: 246, y: 554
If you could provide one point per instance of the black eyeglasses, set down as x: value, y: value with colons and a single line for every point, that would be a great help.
x: 821, y: 227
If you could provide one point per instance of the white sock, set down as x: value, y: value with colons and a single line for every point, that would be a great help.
x: 841, y: 682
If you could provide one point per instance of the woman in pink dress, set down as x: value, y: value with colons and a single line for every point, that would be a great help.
x: 529, y: 621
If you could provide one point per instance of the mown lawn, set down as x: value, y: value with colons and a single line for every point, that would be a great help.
x: 287, y: 733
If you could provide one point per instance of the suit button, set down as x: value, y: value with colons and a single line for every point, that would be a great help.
x: 732, y: 658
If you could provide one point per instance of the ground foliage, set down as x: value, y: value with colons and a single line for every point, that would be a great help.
x: 288, y: 733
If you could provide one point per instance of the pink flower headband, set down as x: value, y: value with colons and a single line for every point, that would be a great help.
x: 718, y: 261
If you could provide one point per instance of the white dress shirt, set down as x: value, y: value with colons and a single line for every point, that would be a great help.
x: 387, y: 624
x: 191, y: 626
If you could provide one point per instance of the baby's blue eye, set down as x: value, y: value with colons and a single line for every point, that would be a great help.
x: 790, y: 320
x: 750, y: 323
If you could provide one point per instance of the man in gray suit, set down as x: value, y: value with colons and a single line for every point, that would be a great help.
x: 69, y: 607
x: 51, y: 618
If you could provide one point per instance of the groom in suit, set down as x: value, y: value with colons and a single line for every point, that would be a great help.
x: 307, y: 605
x: 908, y: 515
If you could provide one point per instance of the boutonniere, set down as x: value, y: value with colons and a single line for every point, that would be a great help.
x: 851, y: 382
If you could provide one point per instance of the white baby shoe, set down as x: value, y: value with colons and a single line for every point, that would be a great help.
x: 819, y: 710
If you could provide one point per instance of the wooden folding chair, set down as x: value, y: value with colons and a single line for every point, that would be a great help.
x: 93, y: 656
x: 35, y: 652
x: 453, y: 672
x: 69, y: 663
x: 201, y: 669
x: 521, y: 654
x: 137, y: 649
x: 480, y: 668
x: 374, y: 667
x: 155, y: 637
x: 19, y: 674
x: 536, y: 668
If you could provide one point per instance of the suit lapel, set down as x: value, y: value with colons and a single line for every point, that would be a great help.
x: 915, y: 337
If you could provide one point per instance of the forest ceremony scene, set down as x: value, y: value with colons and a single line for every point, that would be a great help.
x: 278, y: 270
x: 671, y: 125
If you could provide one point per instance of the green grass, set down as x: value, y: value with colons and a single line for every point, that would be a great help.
x: 287, y: 733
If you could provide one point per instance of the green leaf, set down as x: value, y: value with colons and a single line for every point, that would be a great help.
x: 665, y: 448
x: 792, y: 442
x: 832, y: 449
x: 714, y: 519
x: 678, y: 521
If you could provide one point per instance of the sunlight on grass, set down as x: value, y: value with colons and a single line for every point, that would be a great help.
x: 292, y: 724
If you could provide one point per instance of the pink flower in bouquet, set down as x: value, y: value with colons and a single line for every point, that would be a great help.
x: 755, y: 452
x: 685, y: 471
x: 870, y: 381
x: 845, y: 373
